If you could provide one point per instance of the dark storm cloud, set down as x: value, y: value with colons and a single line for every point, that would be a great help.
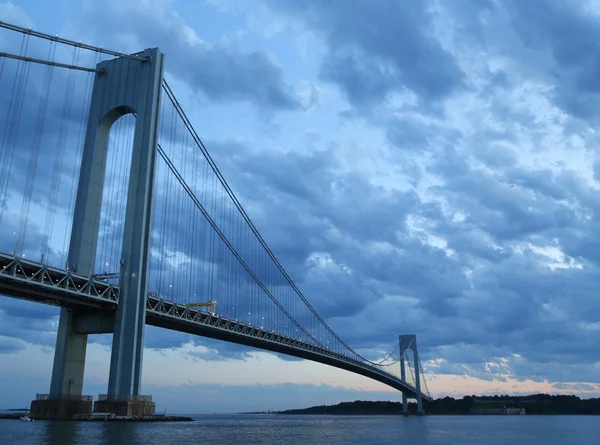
x: 156, y: 338
x: 552, y: 41
x: 512, y: 206
x: 571, y: 34
x: 40, y: 128
x: 356, y: 250
x: 220, y: 72
x: 499, y: 208
x: 361, y: 214
x: 379, y: 47
x: 21, y: 320
x: 20, y: 308
x: 8, y: 345
x: 505, y: 304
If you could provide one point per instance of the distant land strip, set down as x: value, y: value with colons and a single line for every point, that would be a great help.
x: 536, y: 404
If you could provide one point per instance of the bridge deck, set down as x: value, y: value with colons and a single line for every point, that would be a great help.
x: 25, y: 279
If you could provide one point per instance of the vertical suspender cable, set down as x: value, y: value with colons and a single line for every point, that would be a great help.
x: 162, y: 212
x: 35, y: 150
x: 59, y: 155
x: 11, y: 126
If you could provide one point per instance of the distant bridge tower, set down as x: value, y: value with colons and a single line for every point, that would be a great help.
x: 409, y: 342
x: 124, y: 86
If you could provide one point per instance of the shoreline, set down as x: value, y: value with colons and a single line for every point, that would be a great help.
x: 18, y: 415
x: 534, y: 404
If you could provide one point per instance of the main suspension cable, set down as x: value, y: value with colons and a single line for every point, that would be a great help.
x: 251, y: 225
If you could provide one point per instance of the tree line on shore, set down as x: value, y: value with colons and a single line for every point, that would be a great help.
x: 533, y: 404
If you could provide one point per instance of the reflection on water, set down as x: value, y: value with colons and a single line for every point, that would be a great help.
x: 308, y: 430
x: 61, y: 433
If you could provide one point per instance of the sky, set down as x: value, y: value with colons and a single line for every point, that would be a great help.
x: 420, y: 167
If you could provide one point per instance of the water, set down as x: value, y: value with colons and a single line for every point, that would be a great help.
x: 309, y: 430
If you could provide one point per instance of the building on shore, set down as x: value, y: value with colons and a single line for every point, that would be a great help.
x: 496, y: 407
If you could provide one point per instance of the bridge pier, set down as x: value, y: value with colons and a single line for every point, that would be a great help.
x: 65, y: 398
x: 403, y: 377
x: 123, y: 86
x: 409, y: 342
x: 69, y: 357
x: 128, y: 340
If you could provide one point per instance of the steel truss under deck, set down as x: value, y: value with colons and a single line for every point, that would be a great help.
x: 34, y: 281
x: 29, y: 280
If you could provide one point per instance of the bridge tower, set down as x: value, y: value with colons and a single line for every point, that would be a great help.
x: 124, y: 86
x: 409, y: 342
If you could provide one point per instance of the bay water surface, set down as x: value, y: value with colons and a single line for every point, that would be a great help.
x: 309, y: 430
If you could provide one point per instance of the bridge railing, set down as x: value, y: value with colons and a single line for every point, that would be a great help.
x: 172, y: 309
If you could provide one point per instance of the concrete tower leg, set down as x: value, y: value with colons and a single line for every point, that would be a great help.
x: 69, y: 358
x: 65, y: 399
x: 417, y: 378
x: 128, y: 340
x: 125, y: 86
x: 403, y: 377
x: 409, y: 342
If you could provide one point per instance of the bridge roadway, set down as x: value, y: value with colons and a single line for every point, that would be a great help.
x: 29, y: 280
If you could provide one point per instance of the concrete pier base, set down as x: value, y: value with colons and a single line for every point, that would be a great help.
x: 139, y: 406
x: 44, y: 408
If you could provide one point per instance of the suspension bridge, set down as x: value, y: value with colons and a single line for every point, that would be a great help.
x: 112, y: 209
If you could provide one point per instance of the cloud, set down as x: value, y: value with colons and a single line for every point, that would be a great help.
x: 575, y: 62
x: 352, y: 274
x: 457, y: 200
x: 14, y: 14
x: 220, y: 71
x: 8, y: 345
x: 36, y: 328
x: 371, y: 62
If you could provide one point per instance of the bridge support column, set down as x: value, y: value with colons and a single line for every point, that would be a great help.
x: 403, y: 377
x: 69, y: 357
x: 128, y: 340
x: 65, y: 399
x: 124, y: 86
x: 128, y: 86
x: 409, y: 342
x: 418, y: 379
